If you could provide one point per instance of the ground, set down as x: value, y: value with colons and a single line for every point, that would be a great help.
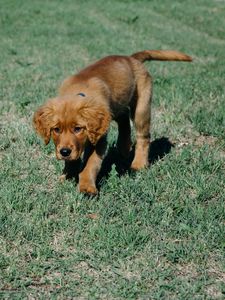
x: 156, y: 234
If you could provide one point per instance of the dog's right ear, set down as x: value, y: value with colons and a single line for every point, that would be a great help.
x: 42, y: 121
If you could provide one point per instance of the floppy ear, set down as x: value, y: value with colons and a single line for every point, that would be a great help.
x: 97, y: 119
x: 42, y: 120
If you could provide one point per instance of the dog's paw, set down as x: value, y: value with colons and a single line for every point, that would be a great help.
x: 88, y: 189
x: 62, y: 178
x: 138, y: 165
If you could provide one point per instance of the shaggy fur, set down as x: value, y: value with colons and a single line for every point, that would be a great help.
x: 115, y: 87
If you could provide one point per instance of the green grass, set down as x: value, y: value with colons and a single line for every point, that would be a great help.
x: 157, y: 234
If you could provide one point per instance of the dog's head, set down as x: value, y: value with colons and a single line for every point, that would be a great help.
x: 71, y: 122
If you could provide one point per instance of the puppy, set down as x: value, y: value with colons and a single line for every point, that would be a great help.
x: 114, y: 88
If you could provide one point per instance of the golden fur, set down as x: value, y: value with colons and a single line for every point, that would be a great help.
x: 115, y: 87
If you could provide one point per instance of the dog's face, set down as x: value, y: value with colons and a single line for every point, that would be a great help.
x: 69, y: 139
x: 71, y: 122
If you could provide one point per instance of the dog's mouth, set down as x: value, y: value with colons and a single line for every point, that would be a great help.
x: 64, y: 158
x: 67, y: 155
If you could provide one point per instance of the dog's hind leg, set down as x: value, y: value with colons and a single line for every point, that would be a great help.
x: 124, y: 142
x: 141, y: 116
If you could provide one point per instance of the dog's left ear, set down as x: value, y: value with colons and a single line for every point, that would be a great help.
x: 97, y: 119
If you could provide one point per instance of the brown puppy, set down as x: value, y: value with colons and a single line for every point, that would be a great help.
x: 115, y: 87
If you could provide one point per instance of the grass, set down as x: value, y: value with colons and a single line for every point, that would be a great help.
x: 157, y: 234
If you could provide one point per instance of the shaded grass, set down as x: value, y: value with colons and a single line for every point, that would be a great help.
x: 157, y: 234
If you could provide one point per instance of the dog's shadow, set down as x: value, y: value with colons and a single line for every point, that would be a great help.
x: 158, y: 149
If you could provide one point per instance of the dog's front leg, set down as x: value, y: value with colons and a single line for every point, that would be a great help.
x: 93, y: 162
x: 71, y: 170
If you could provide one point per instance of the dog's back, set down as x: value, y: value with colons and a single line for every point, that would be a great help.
x: 112, y: 76
x: 117, y: 72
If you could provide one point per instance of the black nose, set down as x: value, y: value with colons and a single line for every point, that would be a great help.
x: 65, y: 152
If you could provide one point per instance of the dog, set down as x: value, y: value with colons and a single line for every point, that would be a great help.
x: 114, y: 88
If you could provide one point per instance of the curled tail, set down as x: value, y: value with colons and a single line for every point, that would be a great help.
x: 169, y: 55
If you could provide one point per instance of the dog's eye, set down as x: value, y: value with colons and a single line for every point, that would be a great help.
x: 77, y: 129
x: 56, y: 130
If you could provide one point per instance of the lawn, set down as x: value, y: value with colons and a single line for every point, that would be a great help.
x: 156, y: 234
